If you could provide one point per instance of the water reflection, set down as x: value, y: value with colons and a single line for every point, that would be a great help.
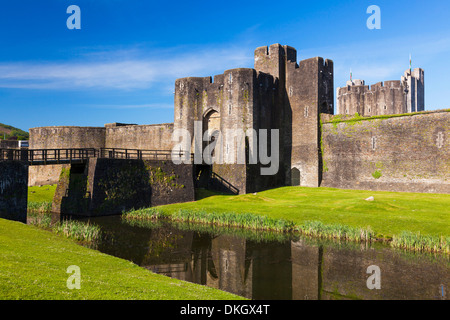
x: 275, y: 269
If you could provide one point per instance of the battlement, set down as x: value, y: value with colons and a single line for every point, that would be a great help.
x: 276, y: 50
x: 391, y: 84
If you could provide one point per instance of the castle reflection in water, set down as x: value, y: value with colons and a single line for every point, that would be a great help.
x: 270, y: 270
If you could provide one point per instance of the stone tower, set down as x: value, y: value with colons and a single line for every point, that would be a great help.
x: 305, y: 91
x: 414, y: 86
x: 279, y: 94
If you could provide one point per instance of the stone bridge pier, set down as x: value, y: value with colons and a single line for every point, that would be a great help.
x: 104, y: 186
x: 13, y: 190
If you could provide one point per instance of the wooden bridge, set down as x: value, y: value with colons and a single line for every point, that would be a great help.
x: 81, y: 155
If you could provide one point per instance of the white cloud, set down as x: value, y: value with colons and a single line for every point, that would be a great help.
x: 133, y: 106
x: 121, y: 70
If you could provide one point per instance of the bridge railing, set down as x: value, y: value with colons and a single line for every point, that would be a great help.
x: 49, y: 156
x: 116, y: 153
x: 13, y: 154
x: 73, y: 155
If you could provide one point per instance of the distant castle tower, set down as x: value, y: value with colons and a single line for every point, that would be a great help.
x: 390, y: 97
x: 413, y: 82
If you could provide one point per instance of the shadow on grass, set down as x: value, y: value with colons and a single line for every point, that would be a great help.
x: 202, y: 193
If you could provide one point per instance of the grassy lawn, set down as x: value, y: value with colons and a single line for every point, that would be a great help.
x: 41, y: 194
x: 389, y: 213
x: 34, y: 262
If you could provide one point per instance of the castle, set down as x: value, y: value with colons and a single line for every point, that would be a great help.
x: 392, y: 97
x: 398, y: 153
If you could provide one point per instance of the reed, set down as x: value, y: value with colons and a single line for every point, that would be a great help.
x: 224, y: 219
x: 417, y: 242
x: 79, y: 231
x: 336, y: 231
x: 39, y: 206
x: 39, y: 219
x: 317, y: 229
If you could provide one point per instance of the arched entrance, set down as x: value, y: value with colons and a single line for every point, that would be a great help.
x: 211, y: 120
x: 295, y: 177
x: 211, y: 124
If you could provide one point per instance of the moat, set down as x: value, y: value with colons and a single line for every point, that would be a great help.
x: 269, y: 266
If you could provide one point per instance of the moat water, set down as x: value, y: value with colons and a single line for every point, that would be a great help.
x: 270, y: 266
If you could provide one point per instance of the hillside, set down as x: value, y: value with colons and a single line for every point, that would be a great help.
x: 10, y: 131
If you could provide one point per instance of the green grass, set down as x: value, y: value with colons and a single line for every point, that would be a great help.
x: 41, y: 194
x: 34, y: 262
x: 336, y: 213
x: 391, y: 213
x: 356, y: 117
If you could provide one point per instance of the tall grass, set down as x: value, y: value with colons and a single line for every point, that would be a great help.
x: 39, y: 206
x: 418, y: 242
x: 224, y: 219
x: 317, y: 229
x: 336, y: 231
x: 78, y: 230
x: 39, y: 219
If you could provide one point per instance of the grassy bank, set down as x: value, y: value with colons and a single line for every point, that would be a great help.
x: 415, y: 221
x: 39, y: 208
x: 34, y: 262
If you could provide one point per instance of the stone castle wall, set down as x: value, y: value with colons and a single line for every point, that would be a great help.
x: 144, y: 137
x: 67, y: 137
x: 403, y: 153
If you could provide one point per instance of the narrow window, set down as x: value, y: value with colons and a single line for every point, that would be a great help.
x: 374, y: 142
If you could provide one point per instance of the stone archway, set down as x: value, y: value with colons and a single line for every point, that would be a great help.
x: 211, y: 120
x: 211, y: 124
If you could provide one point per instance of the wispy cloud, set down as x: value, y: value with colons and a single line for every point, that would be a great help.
x: 142, y: 68
x: 132, y: 106
x: 121, y: 70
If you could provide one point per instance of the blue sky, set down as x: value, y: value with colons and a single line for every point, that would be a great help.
x: 122, y: 65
